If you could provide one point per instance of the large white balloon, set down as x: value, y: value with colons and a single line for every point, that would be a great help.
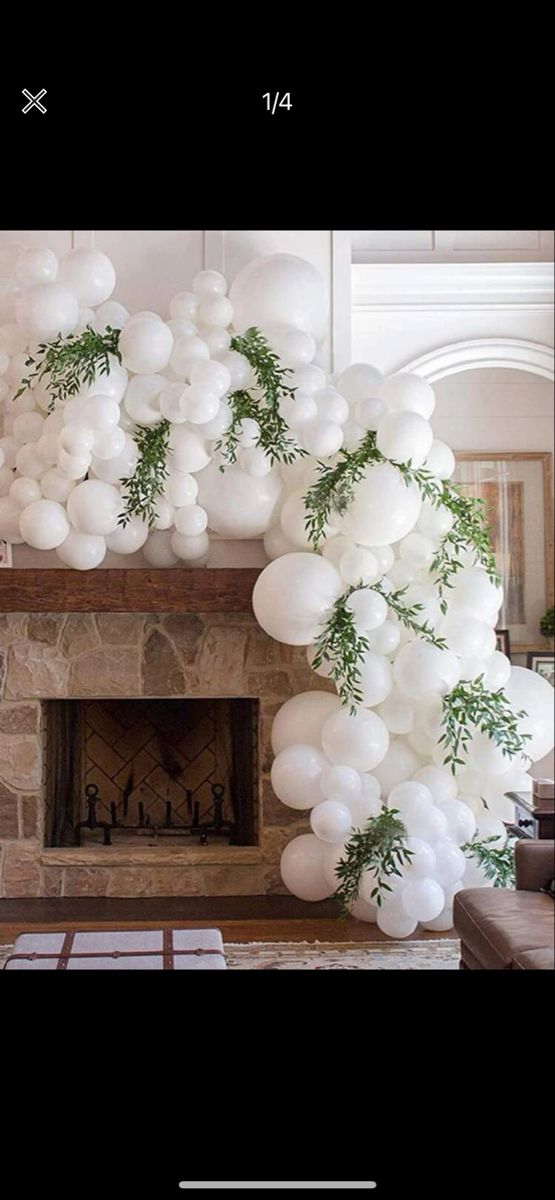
x: 294, y: 595
x: 302, y: 868
x: 529, y: 692
x: 146, y: 345
x: 302, y: 718
x: 94, y: 507
x: 82, y: 551
x: 90, y: 276
x: 280, y: 289
x: 47, y: 311
x: 238, y: 505
x: 358, y: 740
x: 296, y: 774
x: 44, y: 524
x: 422, y: 670
x: 384, y: 509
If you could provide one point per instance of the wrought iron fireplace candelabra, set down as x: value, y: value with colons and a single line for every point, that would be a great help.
x: 216, y: 826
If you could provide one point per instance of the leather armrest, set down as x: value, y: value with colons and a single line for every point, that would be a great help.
x: 534, y: 864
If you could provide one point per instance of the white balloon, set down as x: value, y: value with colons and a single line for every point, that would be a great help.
x: 94, y: 507
x: 10, y: 513
x: 255, y: 462
x: 461, y: 822
x: 341, y: 784
x: 76, y: 439
x: 440, y: 782
x: 217, y: 339
x: 431, y: 824
x: 24, y: 490
x: 440, y: 460
x: 146, y: 345
x: 330, y: 821
x: 486, y: 757
x: 169, y: 400
x: 295, y: 775
x: 398, y: 765
x: 100, y: 413
x: 27, y: 427
x: 157, y: 550
x: 294, y: 348
x: 423, y: 858
x: 360, y: 740
x: 397, y: 713
x: 113, y: 383
x: 56, y: 486
x: 358, y: 567
x: 82, y: 551
x: 395, y: 922
x: 445, y: 919
x: 112, y: 314
x: 467, y: 636
x: 366, y: 805
x: 302, y: 719
x: 376, y: 678
x: 207, y: 284
x: 497, y: 670
x: 405, y: 392
x: 129, y: 538
x: 238, y: 368
x: 109, y: 443
x: 275, y: 542
x: 422, y: 670
x: 434, y: 522
x: 331, y: 406
x: 474, y: 592
x: 294, y: 595
x: 191, y: 520
x: 359, y: 381
x: 450, y: 863
x: 404, y: 436
x: 385, y: 639
x: 199, y: 404
x: 187, y: 352
x: 29, y: 462
x: 213, y: 375
x: 113, y: 469
x: 384, y: 509
x: 280, y: 289
x: 368, y: 607
x: 363, y: 911
x: 417, y: 550
x: 302, y: 869
x: 90, y: 276
x: 491, y: 827
x: 188, y: 451
x: 36, y: 266
x: 190, y: 549
x: 184, y: 306
x: 164, y: 516
x: 369, y: 412
x: 529, y: 692
x: 423, y: 899
x: 44, y: 524
x: 238, y: 505
x: 46, y: 311
x: 216, y: 313
x: 321, y: 438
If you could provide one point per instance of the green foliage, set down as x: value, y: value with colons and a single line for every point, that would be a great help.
x: 470, y: 706
x: 272, y: 386
x: 498, y: 862
x: 547, y: 623
x: 68, y: 363
x: 379, y: 847
x: 408, y: 613
x: 141, y: 490
x: 342, y: 647
x: 333, y: 492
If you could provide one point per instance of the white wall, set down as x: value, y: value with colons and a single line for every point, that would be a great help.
x: 452, y: 245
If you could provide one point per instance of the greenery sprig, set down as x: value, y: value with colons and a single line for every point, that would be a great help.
x: 333, y: 492
x: 470, y: 706
x: 408, y: 614
x: 142, y: 489
x: 261, y: 405
x: 498, y: 862
x: 342, y: 647
x: 67, y: 363
x: 379, y: 847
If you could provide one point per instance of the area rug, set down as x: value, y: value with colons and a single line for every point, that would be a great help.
x: 430, y: 955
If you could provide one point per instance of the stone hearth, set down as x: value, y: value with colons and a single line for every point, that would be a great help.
x: 81, y: 656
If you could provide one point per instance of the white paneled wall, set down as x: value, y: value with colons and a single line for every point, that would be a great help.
x: 452, y: 245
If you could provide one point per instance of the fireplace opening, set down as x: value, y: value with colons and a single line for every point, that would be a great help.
x: 151, y: 772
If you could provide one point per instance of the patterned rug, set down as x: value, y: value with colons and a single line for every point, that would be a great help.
x: 440, y: 955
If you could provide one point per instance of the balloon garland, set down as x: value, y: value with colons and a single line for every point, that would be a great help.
x: 138, y: 434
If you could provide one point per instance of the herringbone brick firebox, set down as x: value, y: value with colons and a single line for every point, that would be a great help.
x: 205, y: 662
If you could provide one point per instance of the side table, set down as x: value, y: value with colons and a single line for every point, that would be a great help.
x: 531, y: 821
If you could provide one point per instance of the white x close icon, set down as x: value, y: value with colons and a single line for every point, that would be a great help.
x: 34, y: 101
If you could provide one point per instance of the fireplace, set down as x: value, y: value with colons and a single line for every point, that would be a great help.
x: 158, y: 771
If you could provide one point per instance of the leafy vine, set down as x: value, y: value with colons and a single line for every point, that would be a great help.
x: 273, y: 435
x: 379, y: 847
x: 498, y: 862
x: 470, y: 706
x: 72, y: 361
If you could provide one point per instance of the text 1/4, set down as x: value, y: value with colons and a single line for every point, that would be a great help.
x: 277, y: 100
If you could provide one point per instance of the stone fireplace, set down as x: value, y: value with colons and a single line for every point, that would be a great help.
x: 111, y: 665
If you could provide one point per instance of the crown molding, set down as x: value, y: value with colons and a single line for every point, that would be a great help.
x: 383, y: 287
x: 479, y: 353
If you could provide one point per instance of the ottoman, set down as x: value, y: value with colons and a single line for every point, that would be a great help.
x: 132, y: 950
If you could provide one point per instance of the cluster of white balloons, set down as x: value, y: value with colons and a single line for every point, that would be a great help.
x: 61, y: 470
x: 60, y: 476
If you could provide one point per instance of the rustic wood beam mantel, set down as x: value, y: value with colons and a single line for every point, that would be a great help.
x: 171, y: 590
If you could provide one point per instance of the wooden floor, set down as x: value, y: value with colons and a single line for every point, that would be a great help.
x: 240, y: 918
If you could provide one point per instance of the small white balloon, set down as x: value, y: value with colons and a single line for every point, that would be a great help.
x: 295, y: 776
x: 404, y: 437
x: 187, y: 352
x: 94, y: 507
x: 191, y: 520
x: 190, y: 549
x: 331, y: 406
x: 56, y: 486
x: 369, y: 412
x: 10, y: 513
x: 368, y: 607
x: 199, y: 403
x: 440, y: 460
x: 112, y: 314
x: 188, y: 450
x: 89, y: 274
x: 216, y: 313
x: 43, y: 524
x: 322, y: 438
x: 358, y: 567
x: 423, y: 899
x: 406, y: 392
x: 302, y: 868
x: 157, y: 550
x: 359, y: 381
x: 384, y: 509
x: 46, y: 311
x: 360, y: 740
x: 302, y: 718
x: 82, y: 551
x: 129, y: 538
x: 461, y: 822
x: 184, y: 305
x: 109, y: 443
x: 330, y: 821
x: 24, y: 491
x: 36, y: 266
x: 341, y: 784
x: 182, y: 489
x: 146, y: 345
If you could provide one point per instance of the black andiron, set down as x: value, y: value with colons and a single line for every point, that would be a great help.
x: 170, y: 827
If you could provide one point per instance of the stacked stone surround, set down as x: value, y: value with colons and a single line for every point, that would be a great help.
x: 74, y: 656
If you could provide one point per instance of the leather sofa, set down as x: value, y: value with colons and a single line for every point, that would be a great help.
x: 503, y: 929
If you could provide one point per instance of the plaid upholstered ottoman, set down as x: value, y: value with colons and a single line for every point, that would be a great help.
x: 133, y: 950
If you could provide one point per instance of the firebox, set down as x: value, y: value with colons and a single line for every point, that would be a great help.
x: 161, y: 770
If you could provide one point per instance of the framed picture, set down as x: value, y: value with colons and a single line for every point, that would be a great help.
x: 544, y: 663
x: 517, y: 491
x: 5, y: 554
x: 503, y: 641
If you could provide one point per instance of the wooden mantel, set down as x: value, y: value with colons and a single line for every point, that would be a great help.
x: 175, y: 589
